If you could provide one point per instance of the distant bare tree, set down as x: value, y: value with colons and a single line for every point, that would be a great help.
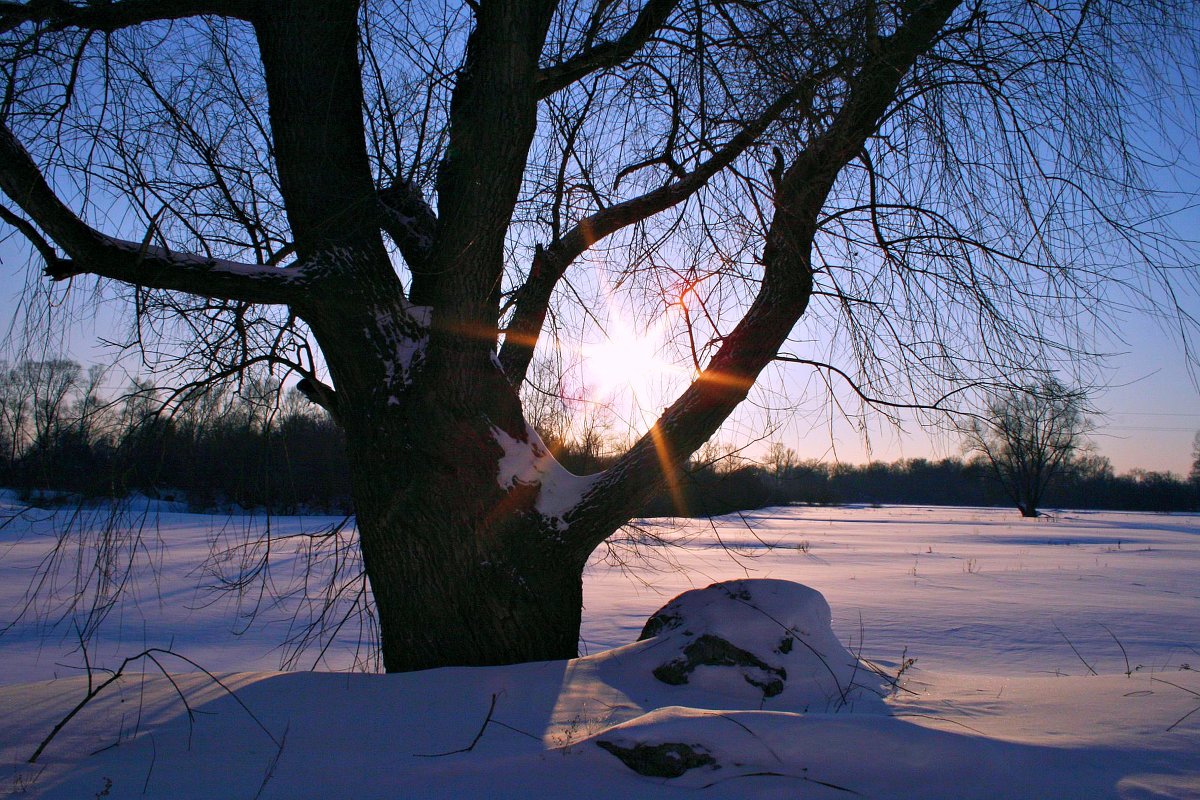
x: 53, y: 383
x: 14, y: 411
x: 39, y: 398
x: 1029, y: 437
x: 780, y: 459
x: 1194, y: 474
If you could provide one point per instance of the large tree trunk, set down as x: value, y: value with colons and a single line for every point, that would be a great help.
x: 473, y: 538
x: 464, y: 567
x: 450, y: 590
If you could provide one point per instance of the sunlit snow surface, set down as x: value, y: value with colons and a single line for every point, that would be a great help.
x: 1006, y: 618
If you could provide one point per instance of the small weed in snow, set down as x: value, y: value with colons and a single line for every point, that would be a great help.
x: 906, y: 663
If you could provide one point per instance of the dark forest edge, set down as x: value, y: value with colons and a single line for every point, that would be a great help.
x: 255, y: 445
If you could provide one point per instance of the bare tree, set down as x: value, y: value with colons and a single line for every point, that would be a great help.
x: 780, y: 460
x: 53, y: 383
x: 14, y: 412
x: 1194, y: 473
x: 36, y: 402
x: 392, y: 200
x: 1029, y: 437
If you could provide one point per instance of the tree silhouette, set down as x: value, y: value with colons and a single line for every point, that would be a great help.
x: 1029, y: 438
x: 395, y: 200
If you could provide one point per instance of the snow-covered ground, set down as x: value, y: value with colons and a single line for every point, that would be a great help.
x: 1007, y: 620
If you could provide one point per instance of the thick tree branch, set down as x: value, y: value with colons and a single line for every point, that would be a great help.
x: 607, y: 54
x: 140, y: 264
x: 309, y: 53
x: 59, y: 14
x: 783, y: 295
x: 21, y: 180
x: 491, y: 127
x: 91, y: 252
x: 532, y: 300
x: 321, y: 394
x: 409, y: 220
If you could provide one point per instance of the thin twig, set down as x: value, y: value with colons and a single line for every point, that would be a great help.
x: 770, y: 774
x: 486, y: 721
x: 150, y: 655
x: 270, y: 773
x: 1128, y: 669
x: 1076, y: 652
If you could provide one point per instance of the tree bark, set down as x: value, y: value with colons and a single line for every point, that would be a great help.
x: 464, y: 568
x: 463, y: 584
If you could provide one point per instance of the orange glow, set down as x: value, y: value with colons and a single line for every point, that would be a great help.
x: 726, y: 380
x: 668, y: 468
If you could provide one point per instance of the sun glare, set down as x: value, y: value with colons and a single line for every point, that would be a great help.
x: 624, y: 362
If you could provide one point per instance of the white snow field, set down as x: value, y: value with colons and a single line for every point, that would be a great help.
x: 1053, y: 658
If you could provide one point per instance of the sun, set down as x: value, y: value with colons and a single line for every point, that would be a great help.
x: 624, y: 362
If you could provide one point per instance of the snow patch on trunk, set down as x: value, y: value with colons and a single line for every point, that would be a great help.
x: 402, y: 338
x: 530, y: 463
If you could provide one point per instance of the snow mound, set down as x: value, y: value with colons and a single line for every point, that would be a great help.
x: 698, y: 749
x: 758, y: 643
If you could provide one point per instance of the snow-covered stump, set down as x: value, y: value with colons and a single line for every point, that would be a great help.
x: 747, y: 645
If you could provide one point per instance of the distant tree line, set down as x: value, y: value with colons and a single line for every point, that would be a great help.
x: 258, y: 445
x: 251, y: 445
x: 1087, y: 482
x: 718, y: 481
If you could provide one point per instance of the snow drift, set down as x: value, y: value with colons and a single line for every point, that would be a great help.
x: 714, y: 701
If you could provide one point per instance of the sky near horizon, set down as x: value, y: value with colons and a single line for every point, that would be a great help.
x: 1150, y: 404
x: 1150, y: 413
